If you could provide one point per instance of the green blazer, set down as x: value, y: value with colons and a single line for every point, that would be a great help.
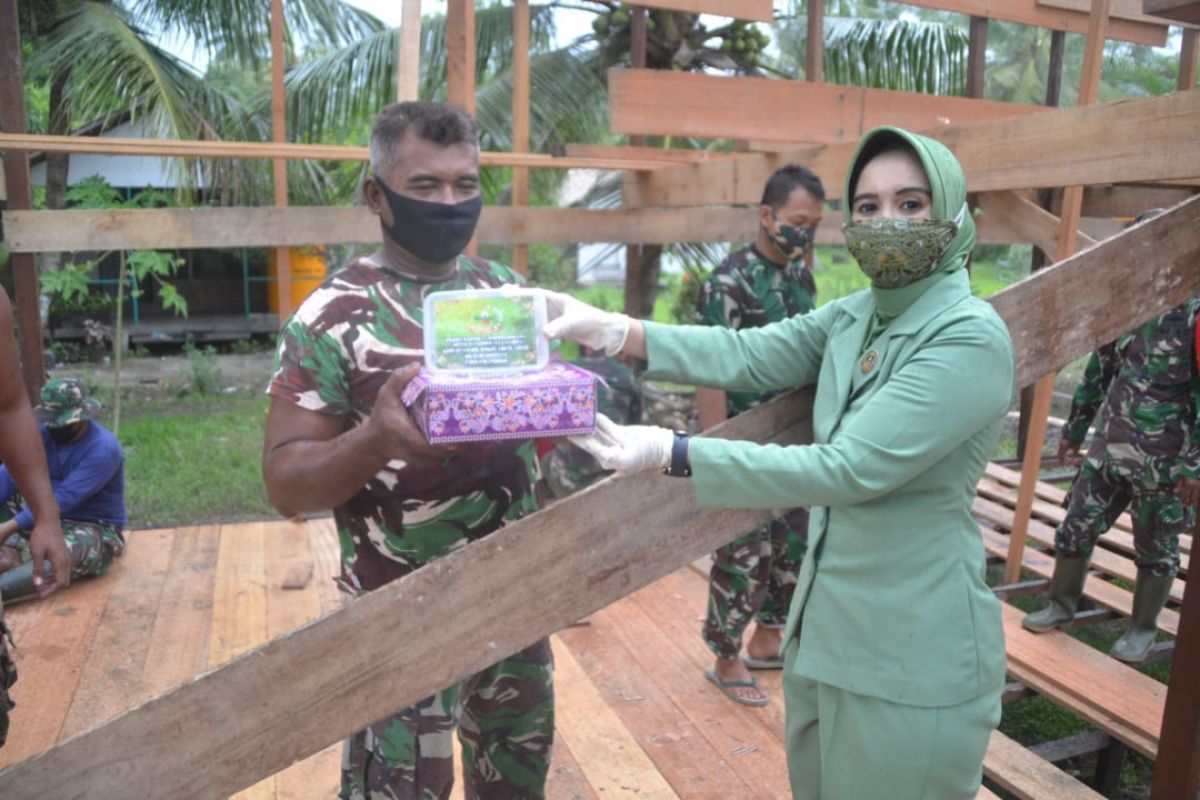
x: 891, y: 600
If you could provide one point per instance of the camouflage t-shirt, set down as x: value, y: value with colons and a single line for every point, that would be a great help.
x: 1147, y: 384
x: 334, y: 354
x: 748, y: 291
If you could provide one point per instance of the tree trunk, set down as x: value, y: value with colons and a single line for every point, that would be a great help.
x: 649, y: 273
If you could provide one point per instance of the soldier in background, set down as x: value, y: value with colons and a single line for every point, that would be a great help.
x: 566, y: 468
x: 754, y: 576
x: 1145, y: 457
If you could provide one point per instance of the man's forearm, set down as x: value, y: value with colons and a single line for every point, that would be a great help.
x: 25, y: 459
x: 317, y: 475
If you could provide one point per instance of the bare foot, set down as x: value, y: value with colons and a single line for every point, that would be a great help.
x: 765, y: 643
x: 734, y: 670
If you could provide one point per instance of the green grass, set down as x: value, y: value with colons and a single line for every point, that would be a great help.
x: 194, y: 459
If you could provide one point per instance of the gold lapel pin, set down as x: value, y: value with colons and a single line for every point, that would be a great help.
x: 868, y: 360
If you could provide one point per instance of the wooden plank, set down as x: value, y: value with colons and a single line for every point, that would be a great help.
x: 179, y: 642
x: 520, y: 120
x: 165, y: 148
x: 976, y: 56
x: 673, y: 103
x: 755, y: 10
x: 676, y: 745
x: 1096, y: 589
x: 1030, y: 12
x: 50, y: 662
x: 566, y: 779
x: 1063, y: 323
x: 1131, y: 140
x: 1186, y: 11
x: 658, y: 156
x: 18, y: 192
x: 609, y: 756
x: 1029, y: 776
x: 283, y: 257
x: 1177, y: 771
x: 1129, y: 201
x: 1189, y: 50
x: 1028, y: 221
x: 1112, y: 696
x: 111, y: 681
x: 460, y: 54
x: 814, y: 44
x: 408, y: 54
x: 1121, y: 9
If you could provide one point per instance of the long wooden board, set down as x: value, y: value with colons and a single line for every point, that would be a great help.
x: 757, y: 10
x: 650, y: 101
x: 297, y: 694
x: 1127, y: 141
x: 1027, y: 775
x: 1029, y: 12
x: 1121, y: 9
x: 183, y: 228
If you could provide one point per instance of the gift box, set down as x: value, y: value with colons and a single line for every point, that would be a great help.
x: 557, y: 400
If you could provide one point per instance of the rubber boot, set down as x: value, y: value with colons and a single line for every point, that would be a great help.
x: 1066, y: 587
x: 17, y: 583
x: 1149, y: 596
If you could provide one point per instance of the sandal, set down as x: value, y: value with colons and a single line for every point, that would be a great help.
x: 728, y: 686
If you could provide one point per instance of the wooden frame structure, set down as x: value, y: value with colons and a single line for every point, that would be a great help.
x: 1101, y: 150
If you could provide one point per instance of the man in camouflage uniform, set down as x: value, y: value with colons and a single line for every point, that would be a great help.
x: 339, y: 437
x: 22, y: 455
x: 566, y: 468
x: 87, y: 472
x: 754, y: 576
x: 1145, y: 455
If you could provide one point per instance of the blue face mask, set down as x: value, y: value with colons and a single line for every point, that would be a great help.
x: 433, y: 232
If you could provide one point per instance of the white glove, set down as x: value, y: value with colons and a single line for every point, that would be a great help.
x: 628, y: 448
x: 577, y: 321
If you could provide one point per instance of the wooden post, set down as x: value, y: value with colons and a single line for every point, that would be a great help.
x: 814, y: 52
x: 1187, y: 59
x: 1043, y: 390
x: 283, y: 262
x: 633, y: 252
x: 1040, y: 258
x: 520, y: 123
x: 408, y: 53
x: 460, y: 54
x: 17, y: 189
x: 976, y: 56
x: 1177, y: 769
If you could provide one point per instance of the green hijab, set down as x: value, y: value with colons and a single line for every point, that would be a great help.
x: 949, y: 189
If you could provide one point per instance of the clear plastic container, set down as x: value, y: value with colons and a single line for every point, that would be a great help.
x: 485, y: 331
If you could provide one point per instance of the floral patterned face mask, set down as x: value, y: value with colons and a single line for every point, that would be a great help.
x: 896, y: 252
x: 789, y: 240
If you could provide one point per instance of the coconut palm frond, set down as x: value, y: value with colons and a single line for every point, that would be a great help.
x: 915, y: 56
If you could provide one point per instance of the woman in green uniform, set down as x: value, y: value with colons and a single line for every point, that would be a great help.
x: 894, y: 647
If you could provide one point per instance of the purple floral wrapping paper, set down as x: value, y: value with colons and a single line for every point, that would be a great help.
x: 559, y: 400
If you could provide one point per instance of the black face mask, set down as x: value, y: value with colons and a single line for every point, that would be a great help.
x: 433, y: 232
x: 64, y: 434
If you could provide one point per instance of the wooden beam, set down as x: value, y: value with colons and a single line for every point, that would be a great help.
x: 1130, y: 140
x: 1177, y: 770
x: 1188, y: 52
x: 1029, y: 12
x: 655, y: 156
x: 1128, y: 201
x: 408, y: 54
x: 1068, y: 236
x: 188, y: 228
x: 1119, y: 10
x: 520, y: 120
x: 814, y: 46
x: 1175, y: 10
x: 976, y: 56
x: 1028, y: 221
x: 460, y: 54
x: 1060, y: 322
x: 165, y: 148
x: 283, y: 259
x: 671, y: 103
x: 755, y: 10
x: 19, y: 196
x: 295, y: 695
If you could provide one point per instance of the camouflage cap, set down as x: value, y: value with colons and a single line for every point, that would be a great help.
x: 64, y: 401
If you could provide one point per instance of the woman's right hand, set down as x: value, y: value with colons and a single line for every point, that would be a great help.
x: 577, y: 321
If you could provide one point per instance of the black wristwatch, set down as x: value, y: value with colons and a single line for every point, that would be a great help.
x: 679, y: 466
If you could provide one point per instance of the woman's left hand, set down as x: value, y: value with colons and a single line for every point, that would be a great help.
x: 628, y: 448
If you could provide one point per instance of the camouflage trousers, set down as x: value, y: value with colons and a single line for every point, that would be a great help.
x: 8, y: 676
x: 505, y: 721
x: 92, y: 545
x: 1100, y: 493
x: 753, y: 577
